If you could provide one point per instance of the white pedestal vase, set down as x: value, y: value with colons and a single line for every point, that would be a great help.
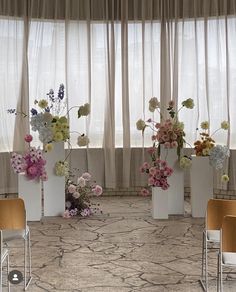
x: 31, y: 192
x: 201, y: 182
x: 176, y: 182
x: 54, y: 187
x: 159, y: 203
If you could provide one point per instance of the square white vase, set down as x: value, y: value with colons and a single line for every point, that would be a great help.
x: 176, y: 182
x: 31, y: 192
x: 201, y: 182
x: 54, y: 187
x: 159, y: 203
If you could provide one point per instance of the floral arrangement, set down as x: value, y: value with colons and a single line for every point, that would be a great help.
x: 78, y: 196
x: 32, y: 163
x: 204, y: 145
x: 49, y: 118
x: 169, y: 132
x: 158, y: 172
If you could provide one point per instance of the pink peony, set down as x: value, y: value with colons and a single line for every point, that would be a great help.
x: 146, y: 165
x: 151, y: 181
x: 144, y: 192
x: 152, y: 170
x: 97, y: 190
x: 174, y: 144
x: 32, y: 170
x: 86, y: 176
x: 28, y: 138
x: 71, y: 189
x: 151, y: 150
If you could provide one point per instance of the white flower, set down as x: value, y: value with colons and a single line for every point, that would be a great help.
x: 81, y: 182
x: 185, y: 162
x: 84, y: 110
x: 153, y: 104
x: 76, y: 195
x: 83, y: 140
x: 37, y: 121
x: 225, y: 125
x: 45, y: 135
x: 188, y: 103
x: 140, y: 125
x: 205, y: 125
x: 86, y: 176
x: 217, y: 156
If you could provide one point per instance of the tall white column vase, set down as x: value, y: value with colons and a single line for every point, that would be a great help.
x: 176, y: 182
x: 54, y: 187
x: 159, y: 203
x: 31, y: 192
x: 201, y: 182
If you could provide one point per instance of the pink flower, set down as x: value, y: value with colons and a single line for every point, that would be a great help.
x: 163, y: 163
x: 144, y: 192
x: 151, y: 150
x: 28, y: 138
x: 66, y: 214
x: 76, y: 195
x: 174, y: 144
x: 141, y: 169
x: 153, y: 137
x: 32, y: 170
x: 81, y: 182
x: 97, y: 190
x: 151, y: 181
x: 146, y: 165
x: 44, y: 176
x: 152, y: 170
x: 71, y: 189
x: 171, y: 103
x: 157, y: 126
x: 86, y: 176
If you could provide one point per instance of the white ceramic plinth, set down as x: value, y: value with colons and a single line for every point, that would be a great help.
x: 31, y: 192
x: 54, y: 187
x: 176, y: 182
x: 201, y: 182
x: 159, y: 203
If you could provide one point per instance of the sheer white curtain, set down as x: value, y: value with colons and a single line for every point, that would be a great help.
x: 116, y: 54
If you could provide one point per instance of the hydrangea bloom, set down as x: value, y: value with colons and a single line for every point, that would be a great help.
x: 218, y: 154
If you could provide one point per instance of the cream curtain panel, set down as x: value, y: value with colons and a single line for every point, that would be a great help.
x: 116, y: 54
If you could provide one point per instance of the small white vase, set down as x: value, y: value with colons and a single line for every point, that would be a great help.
x: 201, y: 182
x: 31, y: 192
x: 54, y: 187
x: 159, y: 203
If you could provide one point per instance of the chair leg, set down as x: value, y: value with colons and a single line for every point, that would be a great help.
x: 203, y: 280
x: 221, y: 277
x: 1, y: 275
x: 206, y: 265
x: 8, y: 270
x: 27, y: 255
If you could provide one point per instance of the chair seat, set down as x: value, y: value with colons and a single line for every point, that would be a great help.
x: 229, y: 258
x: 213, y: 235
x: 9, y: 235
x: 4, y: 254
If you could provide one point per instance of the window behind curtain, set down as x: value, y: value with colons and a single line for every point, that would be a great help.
x: 61, y: 55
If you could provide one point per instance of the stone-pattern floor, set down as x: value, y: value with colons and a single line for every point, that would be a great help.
x: 121, y: 250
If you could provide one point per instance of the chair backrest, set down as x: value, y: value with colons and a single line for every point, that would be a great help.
x: 217, y: 209
x: 12, y: 214
x: 229, y: 234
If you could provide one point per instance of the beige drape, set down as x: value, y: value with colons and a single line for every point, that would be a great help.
x: 172, y: 16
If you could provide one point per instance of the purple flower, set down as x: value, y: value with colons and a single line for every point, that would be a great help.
x: 34, y: 112
x: 61, y: 92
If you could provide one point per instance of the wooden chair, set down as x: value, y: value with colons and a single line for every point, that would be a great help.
x: 217, y: 209
x: 4, y: 256
x: 13, y: 225
x: 227, y: 253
